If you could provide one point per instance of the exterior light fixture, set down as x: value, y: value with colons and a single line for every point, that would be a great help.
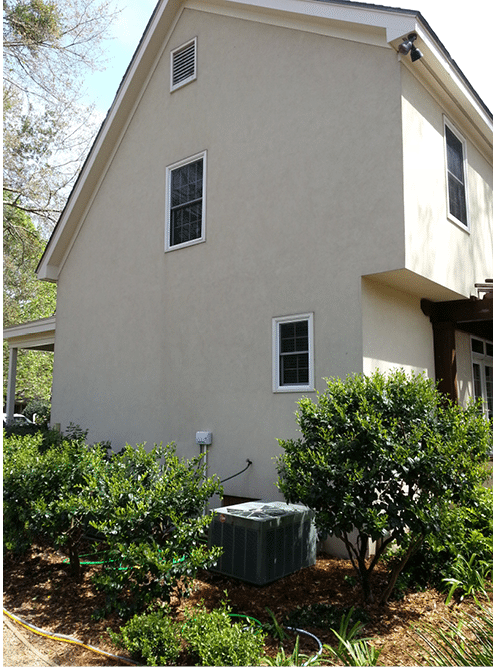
x: 407, y: 46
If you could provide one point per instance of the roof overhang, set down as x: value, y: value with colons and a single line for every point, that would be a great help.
x: 436, y: 67
x: 37, y: 335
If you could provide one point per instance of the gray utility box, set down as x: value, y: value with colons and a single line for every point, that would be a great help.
x: 262, y: 541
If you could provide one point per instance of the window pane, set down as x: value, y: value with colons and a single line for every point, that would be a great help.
x: 186, y: 223
x: 186, y: 203
x: 455, y: 157
x: 476, y: 370
x: 456, y: 181
x: 294, y: 369
x: 457, y: 199
x: 489, y: 390
x: 293, y: 344
x: 477, y: 345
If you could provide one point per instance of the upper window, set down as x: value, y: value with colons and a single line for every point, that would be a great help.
x: 482, y: 372
x: 184, y: 64
x: 292, y: 346
x: 185, y: 202
x: 456, y: 176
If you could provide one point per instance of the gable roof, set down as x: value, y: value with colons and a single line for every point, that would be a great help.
x: 396, y: 23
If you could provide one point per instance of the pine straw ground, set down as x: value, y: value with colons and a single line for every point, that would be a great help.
x: 38, y: 587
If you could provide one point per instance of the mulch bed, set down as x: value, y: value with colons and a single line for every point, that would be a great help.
x: 39, y: 588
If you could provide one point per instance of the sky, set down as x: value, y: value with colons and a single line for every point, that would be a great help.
x: 465, y: 28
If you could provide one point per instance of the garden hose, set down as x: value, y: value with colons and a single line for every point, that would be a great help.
x: 65, y: 638
x: 320, y: 649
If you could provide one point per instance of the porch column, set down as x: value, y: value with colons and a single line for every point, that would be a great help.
x: 11, y: 384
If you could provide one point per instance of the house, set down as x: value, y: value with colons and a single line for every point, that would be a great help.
x: 282, y: 191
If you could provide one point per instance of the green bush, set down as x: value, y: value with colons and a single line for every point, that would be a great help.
x: 216, y: 640
x: 36, y: 485
x: 384, y: 455
x: 152, y: 637
x: 39, y: 407
x: 466, y: 531
x: 149, y: 506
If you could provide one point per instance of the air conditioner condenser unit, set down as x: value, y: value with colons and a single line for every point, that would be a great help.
x: 262, y: 541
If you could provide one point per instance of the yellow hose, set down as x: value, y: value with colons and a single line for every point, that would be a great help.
x: 64, y: 638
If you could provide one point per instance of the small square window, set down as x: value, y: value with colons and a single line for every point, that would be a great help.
x: 185, y: 202
x: 292, y: 349
x: 184, y: 64
x: 456, y: 176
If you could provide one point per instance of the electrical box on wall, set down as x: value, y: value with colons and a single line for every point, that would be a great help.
x: 203, y: 438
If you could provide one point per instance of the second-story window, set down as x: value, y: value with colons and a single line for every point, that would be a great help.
x: 185, y: 202
x: 456, y: 176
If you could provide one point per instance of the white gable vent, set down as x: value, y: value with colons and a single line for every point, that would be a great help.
x: 184, y: 64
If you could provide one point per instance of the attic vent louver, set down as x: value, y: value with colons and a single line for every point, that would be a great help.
x: 184, y: 64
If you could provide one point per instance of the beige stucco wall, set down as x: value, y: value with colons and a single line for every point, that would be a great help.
x: 395, y: 331
x: 436, y: 247
x: 304, y: 195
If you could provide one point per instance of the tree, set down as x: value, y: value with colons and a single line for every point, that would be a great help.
x: 382, y: 455
x: 48, y: 46
x: 25, y: 299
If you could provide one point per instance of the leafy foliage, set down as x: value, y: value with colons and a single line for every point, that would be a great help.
x: 37, y: 487
x: 25, y: 299
x: 352, y: 650
x: 153, y: 638
x: 324, y: 616
x: 48, y: 45
x: 468, y: 642
x: 146, y: 507
x: 383, y: 455
x: 216, y: 640
x: 466, y: 537
x: 149, y: 506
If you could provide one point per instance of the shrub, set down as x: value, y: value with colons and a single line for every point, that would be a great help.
x: 152, y: 637
x: 466, y: 532
x: 149, y: 506
x: 39, y: 407
x: 216, y: 640
x: 383, y: 455
x: 37, y: 484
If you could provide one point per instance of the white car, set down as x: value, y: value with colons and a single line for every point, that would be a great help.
x: 18, y: 419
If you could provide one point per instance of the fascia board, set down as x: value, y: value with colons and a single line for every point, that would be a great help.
x: 31, y: 334
x: 442, y: 73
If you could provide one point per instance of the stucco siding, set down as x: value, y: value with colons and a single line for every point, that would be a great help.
x: 396, y: 334
x: 304, y: 195
x: 436, y: 247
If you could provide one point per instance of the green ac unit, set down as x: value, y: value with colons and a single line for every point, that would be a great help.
x: 262, y: 541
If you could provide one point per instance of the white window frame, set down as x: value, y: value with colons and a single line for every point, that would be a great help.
x: 174, y: 52
x: 169, y: 170
x: 482, y: 360
x: 277, y: 387
x: 448, y: 125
